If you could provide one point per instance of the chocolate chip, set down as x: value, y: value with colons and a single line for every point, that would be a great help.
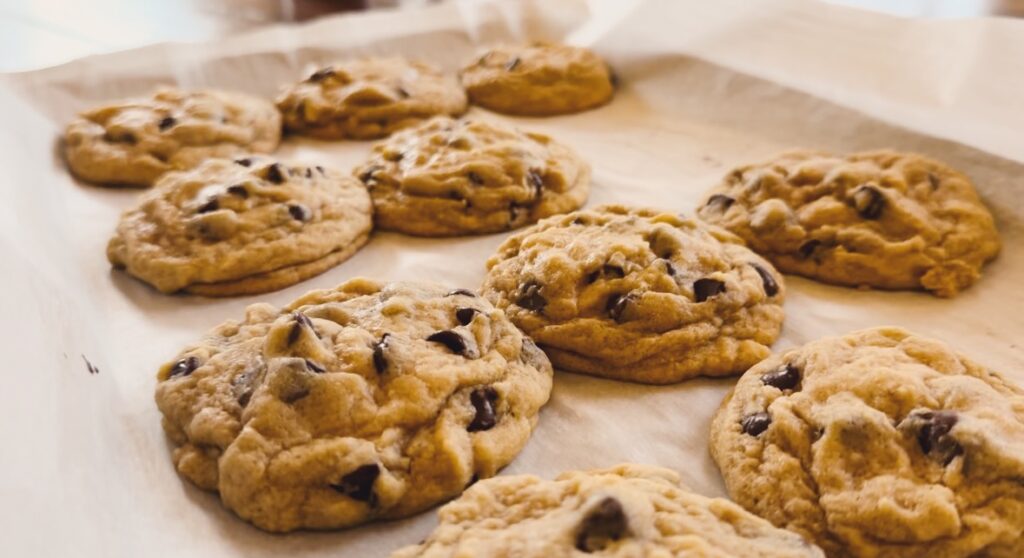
x: 291, y: 394
x: 786, y: 376
x: 367, y: 175
x: 704, y: 289
x: 298, y: 212
x: 314, y: 367
x: 244, y: 398
x: 245, y: 162
x: 275, y: 173
x: 465, y: 315
x: 771, y: 287
x: 512, y: 64
x: 869, y: 202
x: 184, y: 367
x: 211, y: 205
x: 242, y: 386
x: 604, y: 523
x: 126, y: 137
x: 463, y: 292
x: 380, y: 360
x: 607, y: 271
x: 933, y: 434
x: 807, y: 248
x: 238, y: 190
x: 455, y: 342
x: 529, y: 297
x: 483, y: 400
x: 167, y: 122
x: 721, y: 202
x: 755, y: 423
x: 309, y: 172
x: 320, y: 170
x: 535, y: 180
x: 402, y: 93
x: 358, y: 484
x: 475, y: 178
x: 300, y: 321
x: 513, y: 213
x: 933, y: 179
x: 321, y: 74
x: 617, y: 304
x: 669, y: 268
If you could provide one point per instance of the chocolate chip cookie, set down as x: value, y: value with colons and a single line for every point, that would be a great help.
x: 243, y: 226
x: 637, y: 294
x: 133, y: 142
x: 878, y: 443
x: 448, y: 178
x: 539, y: 79
x: 625, y: 511
x: 367, y: 401
x: 876, y: 219
x: 369, y: 98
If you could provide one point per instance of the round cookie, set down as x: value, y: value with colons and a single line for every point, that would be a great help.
x: 133, y: 142
x: 636, y: 294
x: 448, y: 178
x: 540, y: 79
x: 625, y: 511
x: 369, y: 98
x: 239, y: 227
x: 363, y: 402
x: 878, y: 443
x: 878, y: 218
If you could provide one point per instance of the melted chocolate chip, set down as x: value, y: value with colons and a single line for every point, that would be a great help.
x: 771, y: 287
x: 512, y: 64
x: 380, y: 360
x: 534, y: 179
x: 483, y: 400
x: 238, y: 190
x: 755, y: 423
x: 299, y: 212
x: 704, y: 289
x: 475, y: 178
x: 402, y: 93
x: 184, y: 367
x: 869, y: 202
x: 933, y: 179
x: 166, y: 122
x: 807, y: 248
x: 604, y: 523
x: 309, y: 172
x: 244, y: 398
x: 669, y: 268
x: 784, y: 377
x: 321, y: 74
x: 358, y: 484
x: 275, y: 173
x: 465, y: 315
x: 455, y: 342
x: 933, y: 435
x: 314, y: 367
x: 245, y: 162
x: 463, y: 292
x: 529, y: 297
x: 617, y: 304
x: 300, y: 321
x: 721, y: 202
x: 211, y: 205
x: 367, y: 175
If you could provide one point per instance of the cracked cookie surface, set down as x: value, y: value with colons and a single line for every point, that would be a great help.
x: 369, y: 98
x: 540, y: 79
x: 243, y: 226
x: 363, y: 402
x: 878, y: 443
x: 626, y: 511
x: 449, y: 177
x: 637, y: 294
x: 878, y: 218
x: 133, y: 142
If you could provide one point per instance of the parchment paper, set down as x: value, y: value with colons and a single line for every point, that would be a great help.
x: 84, y: 466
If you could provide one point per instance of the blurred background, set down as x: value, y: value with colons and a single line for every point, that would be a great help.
x: 39, y: 33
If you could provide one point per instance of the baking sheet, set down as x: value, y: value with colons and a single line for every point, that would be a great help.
x: 85, y: 469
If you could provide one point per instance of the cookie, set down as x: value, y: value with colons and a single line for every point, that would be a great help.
x: 637, y: 294
x: 625, y: 511
x: 540, y: 79
x: 449, y: 178
x: 873, y: 219
x: 244, y: 226
x: 367, y: 401
x: 878, y: 443
x: 133, y: 142
x: 369, y: 98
